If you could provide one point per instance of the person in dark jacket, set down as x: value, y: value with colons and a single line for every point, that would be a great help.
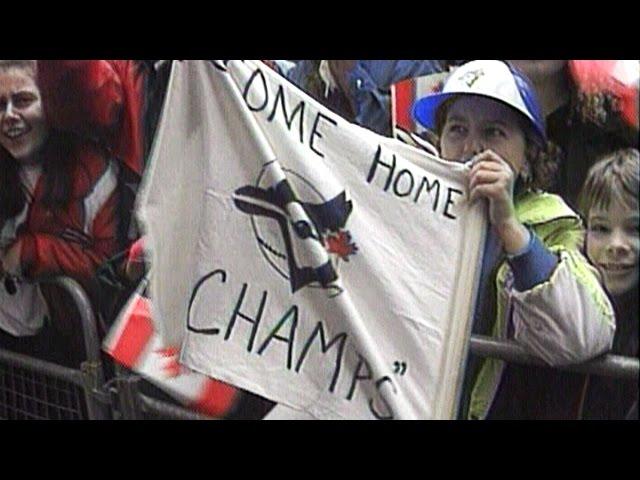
x: 359, y: 90
x: 588, y: 106
x: 609, y: 202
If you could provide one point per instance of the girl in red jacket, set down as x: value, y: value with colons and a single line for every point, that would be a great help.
x: 59, y: 177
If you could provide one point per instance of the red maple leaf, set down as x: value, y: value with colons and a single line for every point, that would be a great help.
x: 341, y: 245
x: 437, y: 87
x: 167, y: 351
x: 172, y: 368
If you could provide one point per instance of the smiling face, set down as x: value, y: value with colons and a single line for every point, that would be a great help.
x: 23, y: 129
x: 613, y: 243
x: 474, y: 124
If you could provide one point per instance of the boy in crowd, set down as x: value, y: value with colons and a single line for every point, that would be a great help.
x: 609, y: 203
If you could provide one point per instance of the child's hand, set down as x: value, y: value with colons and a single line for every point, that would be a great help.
x: 492, y: 178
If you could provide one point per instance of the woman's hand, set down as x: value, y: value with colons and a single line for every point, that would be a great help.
x: 492, y: 178
x: 10, y: 259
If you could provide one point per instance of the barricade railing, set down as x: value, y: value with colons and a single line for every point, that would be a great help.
x: 33, y: 388
x: 39, y: 390
x: 616, y: 366
x: 159, y: 410
x: 133, y: 404
x: 136, y: 405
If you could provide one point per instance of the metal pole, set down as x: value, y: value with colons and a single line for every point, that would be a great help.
x: 607, y: 365
x: 128, y: 404
x: 92, y: 371
x: 87, y: 316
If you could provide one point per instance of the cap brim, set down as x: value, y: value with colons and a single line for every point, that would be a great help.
x: 424, y: 110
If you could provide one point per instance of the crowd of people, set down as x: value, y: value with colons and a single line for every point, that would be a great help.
x: 551, y: 145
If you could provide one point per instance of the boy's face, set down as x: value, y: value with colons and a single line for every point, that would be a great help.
x: 613, y: 243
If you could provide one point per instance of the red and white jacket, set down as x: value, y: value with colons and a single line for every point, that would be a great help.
x: 75, y: 240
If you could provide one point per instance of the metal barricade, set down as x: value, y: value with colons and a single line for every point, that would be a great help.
x: 624, y: 368
x: 35, y: 389
x: 133, y: 404
x: 136, y: 405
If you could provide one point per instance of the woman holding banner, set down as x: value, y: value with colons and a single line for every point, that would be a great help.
x: 536, y: 287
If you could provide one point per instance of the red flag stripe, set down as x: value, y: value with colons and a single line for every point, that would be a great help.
x: 405, y: 93
x: 215, y: 399
x: 136, y: 334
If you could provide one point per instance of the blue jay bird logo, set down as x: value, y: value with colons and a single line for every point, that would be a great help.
x: 301, y: 234
x: 472, y: 77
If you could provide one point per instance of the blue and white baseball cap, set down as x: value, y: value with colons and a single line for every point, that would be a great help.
x: 488, y: 78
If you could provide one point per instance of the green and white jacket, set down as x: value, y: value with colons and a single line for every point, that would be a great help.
x: 567, y: 319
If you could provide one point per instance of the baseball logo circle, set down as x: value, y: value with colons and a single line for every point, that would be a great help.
x: 268, y: 236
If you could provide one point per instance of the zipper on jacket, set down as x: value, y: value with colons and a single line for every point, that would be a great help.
x: 503, y: 336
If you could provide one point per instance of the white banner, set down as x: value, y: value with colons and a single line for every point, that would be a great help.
x: 304, y: 258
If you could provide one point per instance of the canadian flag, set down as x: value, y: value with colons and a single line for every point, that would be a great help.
x: 404, y: 95
x: 135, y: 343
x: 619, y: 77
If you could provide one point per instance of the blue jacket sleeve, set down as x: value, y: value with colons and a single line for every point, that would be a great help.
x: 370, y: 83
x: 384, y: 73
x: 369, y: 86
x: 298, y: 74
x: 532, y: 266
